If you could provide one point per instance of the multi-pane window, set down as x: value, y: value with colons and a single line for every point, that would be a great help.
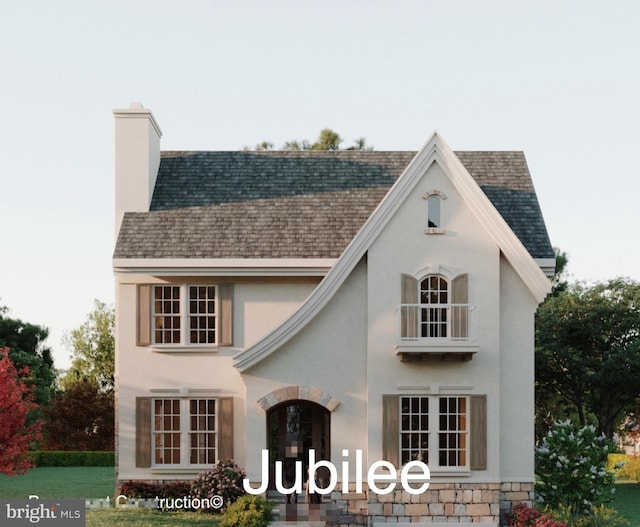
x: 166, y: 431
x: 452, y: 437
x: 434, y: 297
x: 177, y: 323
x: 202, y: 314
x: 414, y: 429
x: 184, y: 429
x: 202, y: 431
x: 434, y: 430
x: 166, y: 314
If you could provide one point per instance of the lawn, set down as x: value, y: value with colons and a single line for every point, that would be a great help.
x: 60, y: 482
x: 627, y: 502
x: 147, y: 518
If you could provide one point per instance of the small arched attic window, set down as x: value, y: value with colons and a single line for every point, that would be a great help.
x: 434, y: 201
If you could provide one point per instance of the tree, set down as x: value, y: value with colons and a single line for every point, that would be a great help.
x: 80, y: 418
x: 327, y: 140
x: 29, y: 354
x: 16, y: 401
x: 93, y: 349
x: 588, y: 350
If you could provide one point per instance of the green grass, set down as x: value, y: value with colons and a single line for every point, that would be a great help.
x: 60, y: 482
x: 626, y: 501
x: 147, y: 518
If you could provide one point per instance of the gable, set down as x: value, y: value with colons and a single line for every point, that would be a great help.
x: 435, y: 151
x: 304, y: 204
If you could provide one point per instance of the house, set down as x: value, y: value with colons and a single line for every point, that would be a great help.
x: 344, y: 302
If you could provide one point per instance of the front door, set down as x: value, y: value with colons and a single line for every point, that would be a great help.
x: 294, y: 428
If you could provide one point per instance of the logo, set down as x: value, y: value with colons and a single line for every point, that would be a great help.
x: 47, y: 512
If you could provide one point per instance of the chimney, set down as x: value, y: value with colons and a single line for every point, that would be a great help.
x: 137, y: 159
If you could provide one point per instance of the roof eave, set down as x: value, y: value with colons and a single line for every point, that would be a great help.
x: 223, y: 266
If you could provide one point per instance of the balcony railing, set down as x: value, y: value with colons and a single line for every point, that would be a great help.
x: 440, y: 329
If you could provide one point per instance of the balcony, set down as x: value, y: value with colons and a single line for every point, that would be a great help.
x: 445, y: 332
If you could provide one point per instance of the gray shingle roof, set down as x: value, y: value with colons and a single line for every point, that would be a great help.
x: 304, y: 204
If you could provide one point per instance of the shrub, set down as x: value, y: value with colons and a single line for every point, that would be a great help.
x: 140, y: 489
x: 525, y: 516
x: 247, y: 511
x: 600, y: 516
x: 615, y: 462
x: 224, y: 480
x: 175, y: 489
x: 630, y: 469
x: 571, y: 467
x: 72, y: 458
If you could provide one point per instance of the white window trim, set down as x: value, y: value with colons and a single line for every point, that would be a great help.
x: 435, y: 193
x: 184, y: 344
x: 434, y: 430
x: 185, y: 448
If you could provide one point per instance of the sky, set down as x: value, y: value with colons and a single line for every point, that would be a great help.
x: 559, y: 80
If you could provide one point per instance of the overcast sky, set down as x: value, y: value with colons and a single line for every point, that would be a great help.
x: 559, y: 80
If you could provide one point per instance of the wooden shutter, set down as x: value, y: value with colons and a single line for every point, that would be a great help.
x: 143, y: 432
x: 143, y: 331
x: 390, y: 429
x: 225, y: 428
x: 225, y: 316
x: 408, y: 315
x: 460, y: 314
x: 478, y: 429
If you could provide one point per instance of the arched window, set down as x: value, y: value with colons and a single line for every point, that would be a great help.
x: 434, y: 220
x: 434, y: 297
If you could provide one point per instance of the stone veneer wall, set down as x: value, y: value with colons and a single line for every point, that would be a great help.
x: 442, y: 502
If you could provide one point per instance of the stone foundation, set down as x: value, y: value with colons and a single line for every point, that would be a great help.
x: 461, y: 503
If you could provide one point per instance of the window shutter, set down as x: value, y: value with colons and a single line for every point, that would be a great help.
x: 143, y: 432
x: 143, y: 332
x: 225, y: 336
x: 225, y: 428
x: 478, y: 432
x: 460, y: 301
x: 408, y: 314
x: 390, y: 429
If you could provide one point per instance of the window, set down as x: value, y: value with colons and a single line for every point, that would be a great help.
x: 445, y: 423
x: 171, y: 316
x: 436, y: 309
x: 434, y: 201
x: 434, y: 293
x: 183, y: 434
x: 433, y: 212
x: 166, y: 314
x: 202, y: 314
x: 184, y: 426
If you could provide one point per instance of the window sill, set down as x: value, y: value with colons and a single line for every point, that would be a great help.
x: 463, y: 472
x: 434, y: 230
x: 179, y: 348
x: 179, y: 469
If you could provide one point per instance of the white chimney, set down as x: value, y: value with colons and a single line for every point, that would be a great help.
x: 137, y: 159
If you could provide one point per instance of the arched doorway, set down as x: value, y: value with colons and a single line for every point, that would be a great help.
x: 294, y: 428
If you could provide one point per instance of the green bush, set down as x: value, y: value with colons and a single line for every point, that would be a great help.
x: 247, y: 511
x: 571, y: 468
x: 71, y: 458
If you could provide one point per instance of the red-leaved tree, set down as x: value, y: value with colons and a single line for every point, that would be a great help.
x: 16, y: 401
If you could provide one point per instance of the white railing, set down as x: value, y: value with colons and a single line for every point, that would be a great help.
x: 438, y: 323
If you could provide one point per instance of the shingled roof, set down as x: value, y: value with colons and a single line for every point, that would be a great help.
x: 299, y: 204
